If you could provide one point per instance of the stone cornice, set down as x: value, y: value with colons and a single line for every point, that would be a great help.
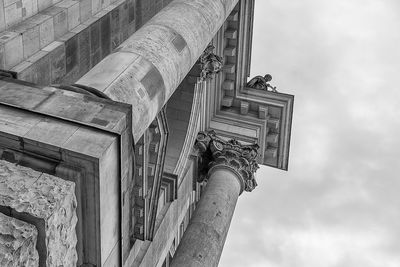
x: 215, y: 153
x: 238, y: 111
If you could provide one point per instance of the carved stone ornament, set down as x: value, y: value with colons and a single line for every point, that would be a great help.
x: 261, y: 83
x: 210, y: 63
x: 216, y: 152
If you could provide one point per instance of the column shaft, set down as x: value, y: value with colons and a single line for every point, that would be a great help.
x: 203, y: 240
x: 147, y: 68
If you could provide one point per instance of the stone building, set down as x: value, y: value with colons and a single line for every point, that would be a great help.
x: 118, y: 146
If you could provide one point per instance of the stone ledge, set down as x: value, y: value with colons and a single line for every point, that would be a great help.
x: 31, y: 194
x: 58, y: 44
x: 17, y: 243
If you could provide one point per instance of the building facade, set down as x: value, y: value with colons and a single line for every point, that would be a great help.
x: 123, y: 139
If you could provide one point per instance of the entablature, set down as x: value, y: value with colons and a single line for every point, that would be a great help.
x: 237, y: 111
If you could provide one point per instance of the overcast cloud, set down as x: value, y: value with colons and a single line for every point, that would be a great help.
x: 339, y: 204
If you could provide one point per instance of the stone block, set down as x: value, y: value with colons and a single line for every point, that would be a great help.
x: 11, y: 45
x: 123, y: 18
x: 95, y: 53
x: 52, y: 132
x: 115, y: 28
x: 228, y: 85
x: 73, y: 12
x: 244, y: 107
x: 227, y: 101
x: 17, y: 243
x: 22, y: 68
x: 30, y: 37
x: 35, y: 69
x: 46, y: 28
x: 56, y: 52
x: 43, y: 4
x: 85, y: 7
x: 262, y: 112
x: 105, y: 35
x: 96, y: 6
x: 41, y: 67
x: 273, y: 138
x: 105, y: 3
x: 13, y: 13
x: 2, y: 55
x: 60, y: 20
x: 2, y: 18
x: 83, y: 35
x: 40, y: 197
x: 230, y: 51
x: 71, y: 57
x: 29, y: 8
x: 71, y: 50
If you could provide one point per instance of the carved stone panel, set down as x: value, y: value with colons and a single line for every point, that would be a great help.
x: 17, y: 242
x: 46, y: 201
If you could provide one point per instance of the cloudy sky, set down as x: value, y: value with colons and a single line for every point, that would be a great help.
x: 339, y: 203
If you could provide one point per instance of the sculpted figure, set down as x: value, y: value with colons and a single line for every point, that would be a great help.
x: 210, y: 63
x: 261, y: 83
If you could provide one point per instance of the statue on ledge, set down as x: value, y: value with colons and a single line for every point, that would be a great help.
x: 261, y: 83
x: 210, y: 63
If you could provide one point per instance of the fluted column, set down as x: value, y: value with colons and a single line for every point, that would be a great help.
x: 229, y: 168
x: 145, y: 70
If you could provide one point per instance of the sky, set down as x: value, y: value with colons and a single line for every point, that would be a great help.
x: 339, y: 203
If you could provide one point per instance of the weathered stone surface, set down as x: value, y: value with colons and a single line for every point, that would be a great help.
x: 154, y: 54
x: 47, y: 198
x: 17, y: 243
x: 241, y: 159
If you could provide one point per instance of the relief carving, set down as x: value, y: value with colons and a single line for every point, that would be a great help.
x: 210, y: 63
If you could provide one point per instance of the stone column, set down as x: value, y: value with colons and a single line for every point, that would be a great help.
x: 229, y: 168
x: 146, y: 69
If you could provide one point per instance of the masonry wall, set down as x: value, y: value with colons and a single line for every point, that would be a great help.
x: 51, y: 41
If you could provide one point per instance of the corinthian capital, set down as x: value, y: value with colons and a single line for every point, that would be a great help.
x: 217, y: 153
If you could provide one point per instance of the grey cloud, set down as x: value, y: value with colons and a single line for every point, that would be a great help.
x: 338, y: 204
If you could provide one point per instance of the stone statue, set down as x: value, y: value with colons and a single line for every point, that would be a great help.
x: 261, y: 83
x: 210, y: 63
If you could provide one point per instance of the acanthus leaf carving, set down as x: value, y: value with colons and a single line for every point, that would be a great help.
x: 217, y: 152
